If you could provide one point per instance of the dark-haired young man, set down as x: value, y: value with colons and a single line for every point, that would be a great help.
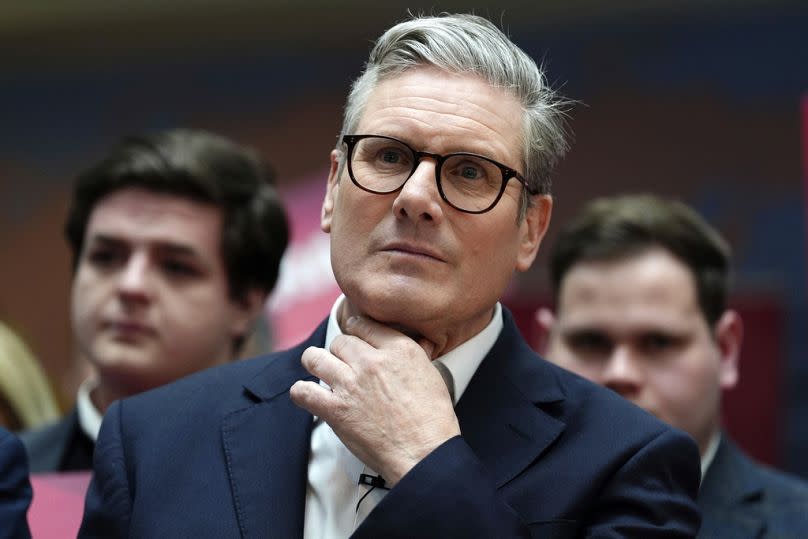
x: 641, y: 307
x: 176, y: 239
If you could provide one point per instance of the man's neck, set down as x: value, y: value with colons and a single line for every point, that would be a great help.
x: 103, y: 395
x: 443, y: 340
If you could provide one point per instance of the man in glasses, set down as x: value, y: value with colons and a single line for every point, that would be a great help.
x: 415, y: 409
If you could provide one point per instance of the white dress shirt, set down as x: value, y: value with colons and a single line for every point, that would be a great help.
x: 332, y: 490
x: 709, y: 454
x: 89, y: 416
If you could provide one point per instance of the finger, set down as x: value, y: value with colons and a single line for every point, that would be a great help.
x: 312, y: 397
x: 325, y: 366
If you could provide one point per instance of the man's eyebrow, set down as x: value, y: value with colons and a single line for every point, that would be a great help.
x: 576, y: 330
x: 164, y: 247
x: 170, y: 248
x: 104, y: 238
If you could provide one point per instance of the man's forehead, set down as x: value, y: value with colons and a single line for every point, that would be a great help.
x: 139, y: 215
x: 653, y: 277
x: 136, y: 204
x: 621, y: 327
x: 627, y: 318
x: 603, y: 295
x: 444, y: 111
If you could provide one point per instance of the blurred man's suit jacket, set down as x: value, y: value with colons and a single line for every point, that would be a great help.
x: 15, y: 489
x: 61, y: 446
x: 740, y: 498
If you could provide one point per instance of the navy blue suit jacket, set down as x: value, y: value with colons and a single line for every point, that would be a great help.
x: 543, y: 453
x: 60, y: 446
x: 742, y: 499
x: 15, y: 489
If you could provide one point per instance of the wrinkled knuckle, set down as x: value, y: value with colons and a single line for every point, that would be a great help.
x: 298, y: 392
x: 374, y: 365
x: 311, y: 359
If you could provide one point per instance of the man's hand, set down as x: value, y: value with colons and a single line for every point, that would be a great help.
x: 388, y: 403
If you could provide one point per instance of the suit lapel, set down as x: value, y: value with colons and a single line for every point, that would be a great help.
x: 266, y: 437
x: 500, y: 412
x: 266, y: 444
x: 731, y: 496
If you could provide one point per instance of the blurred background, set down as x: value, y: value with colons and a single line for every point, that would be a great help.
x: 700, y: 100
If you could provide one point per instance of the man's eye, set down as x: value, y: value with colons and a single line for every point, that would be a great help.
x: 105, y: 258
x: 590, y: 343
x: 464, y: 169
x: 657, y: 342
x: 391, y: 156
x: 470, y: 172
x: 179, y: 269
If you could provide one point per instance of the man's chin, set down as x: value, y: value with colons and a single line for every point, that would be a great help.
x: 126, y: 355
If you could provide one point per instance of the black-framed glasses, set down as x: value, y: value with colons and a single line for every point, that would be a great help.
x: 467, y: 182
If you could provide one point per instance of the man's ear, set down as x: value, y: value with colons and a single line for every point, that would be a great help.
x: 545, y: 322
x: 327, y: 211
x: 729, y: 337
x: 532, y: 230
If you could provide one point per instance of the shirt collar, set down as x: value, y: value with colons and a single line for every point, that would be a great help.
x: 89, y: 416
x: 461, y: 361
x: 709, y: 453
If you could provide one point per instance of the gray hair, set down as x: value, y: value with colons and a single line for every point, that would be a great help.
x: 466, y: 43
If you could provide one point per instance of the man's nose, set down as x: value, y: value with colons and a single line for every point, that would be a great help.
x: 419, y: 198
x: 623, y: 372
x: 133, y: 281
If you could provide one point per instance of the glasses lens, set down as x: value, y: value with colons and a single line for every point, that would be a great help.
x: 381, y: 165
x: 470, y: 182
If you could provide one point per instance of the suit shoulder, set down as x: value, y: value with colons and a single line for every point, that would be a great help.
x: 738, y: 492
x: 197, y: 388
x: 210, y: 387
x: 782, y: 488
x: 13, y: 463
x: 752, y: 476
x: 48, y: 432
x: 597, y: 405
x: 9, y: 443
x: 45, y: 444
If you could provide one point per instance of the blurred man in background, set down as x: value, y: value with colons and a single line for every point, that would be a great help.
x: 641, y: 285
x: 176, y: 239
